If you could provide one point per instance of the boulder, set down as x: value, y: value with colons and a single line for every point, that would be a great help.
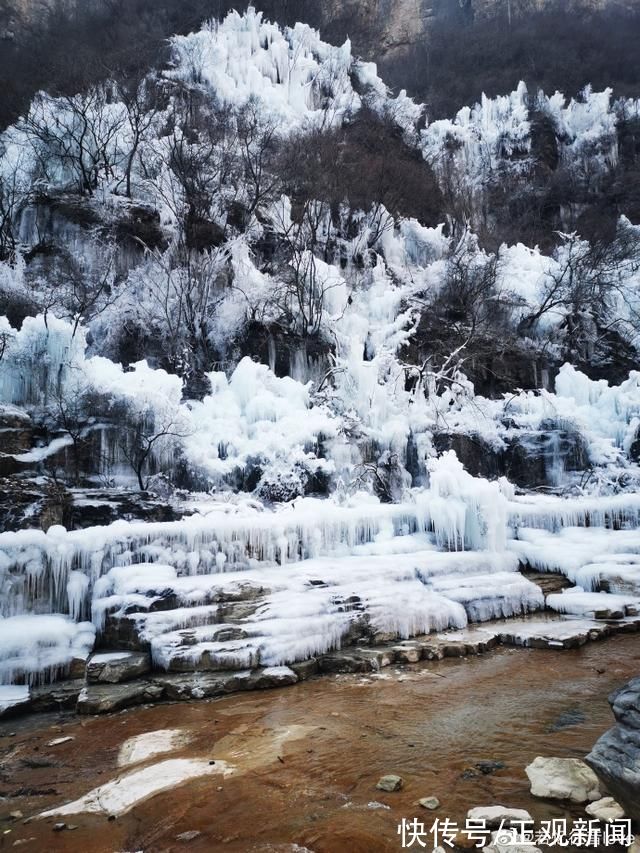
x: 430, y: 803
x: 616, y: 756
x: 563, y: 779
x: 116, y: 667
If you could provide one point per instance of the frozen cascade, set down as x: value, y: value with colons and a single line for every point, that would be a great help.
x: 241, y: 585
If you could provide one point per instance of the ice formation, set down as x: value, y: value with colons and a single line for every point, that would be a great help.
x: 406, y: 542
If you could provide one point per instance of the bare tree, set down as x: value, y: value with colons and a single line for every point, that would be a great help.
x: 15, y: 194
x: 141, y: 102
x: 76, y: 137
x: 75, y: 291
x: 258, y: 143
x: 147, y: 443
x: 584, y: 286
x: 180, y: 292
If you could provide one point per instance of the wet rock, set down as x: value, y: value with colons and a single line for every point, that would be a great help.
x: 274, y: 676
x: 469, y: 773
x: 430, y: 803
x: 305, y: 669
x: 606, y: 810
x: 116, y: 667
x: 355, y: 660
x: 105, y: 698
x: 197, y: 686
x: 390, y: 783
x: 205, y: 685
x: 616, y: 756
x: 489, y: 767
x: 16, y: 815
x: 495, y: 816
x: 563, y: 779
x: 571, y: 717
x: 407, y: 653
x: 61, y: 696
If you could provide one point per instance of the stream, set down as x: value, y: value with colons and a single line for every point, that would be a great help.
x: 304, y: 761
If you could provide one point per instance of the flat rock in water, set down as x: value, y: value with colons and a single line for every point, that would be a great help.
x: 105, y: 698
x: 429, y: 803
x: 124, y: 792
x: 496, y: 816
x: 390, y: 783
x: 489, y: 767
x: 606, y: 810
x: 116, y: 667
x: 563, y: 779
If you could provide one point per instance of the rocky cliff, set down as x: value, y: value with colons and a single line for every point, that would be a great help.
x: 616, y: 756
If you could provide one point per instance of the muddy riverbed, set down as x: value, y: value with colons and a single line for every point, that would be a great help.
x: 298, y: 766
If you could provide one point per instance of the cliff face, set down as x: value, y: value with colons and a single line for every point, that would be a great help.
x: 382, y: 28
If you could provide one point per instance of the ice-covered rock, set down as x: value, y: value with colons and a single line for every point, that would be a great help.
x: 40, y: 648
x: 14, y: 699
x: 124, y: 792
x: 563, y: 779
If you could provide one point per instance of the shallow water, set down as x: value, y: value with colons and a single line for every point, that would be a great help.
x: 307, y: 758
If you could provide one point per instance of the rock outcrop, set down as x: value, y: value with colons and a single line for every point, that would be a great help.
x: 616, y: 756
